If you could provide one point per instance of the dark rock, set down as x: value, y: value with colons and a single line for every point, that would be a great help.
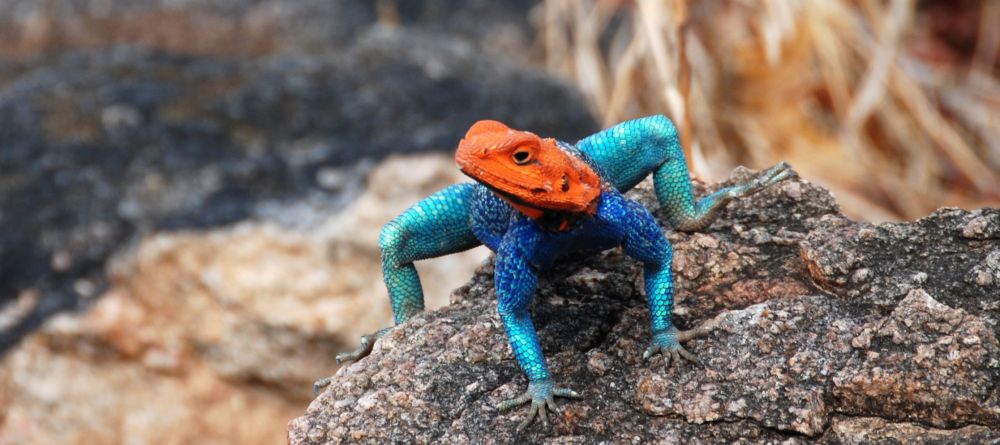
x: 882, y: 264
x: 256, y: 27
x: 102, y: 147
x: 827, y: 331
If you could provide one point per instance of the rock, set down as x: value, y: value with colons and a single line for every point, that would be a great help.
x: 69, y: 389
x: 223, y: 330
x: 867, y: 430
x: 825, y: 332
x: 103, y: 147
x: 925, y: 362
x: 255, y: 28
x: 982, y: 226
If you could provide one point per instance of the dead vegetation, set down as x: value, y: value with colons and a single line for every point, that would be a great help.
x: 893, y: 105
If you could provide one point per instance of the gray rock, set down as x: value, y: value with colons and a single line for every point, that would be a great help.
x: 822, y: 335
x: 102, y: 147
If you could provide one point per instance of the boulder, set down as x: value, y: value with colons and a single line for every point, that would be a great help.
x: 216, y: 336
x: 104, y: 147
x: 825, y: 329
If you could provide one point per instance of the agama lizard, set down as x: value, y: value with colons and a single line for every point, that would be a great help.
x: 537, y: 200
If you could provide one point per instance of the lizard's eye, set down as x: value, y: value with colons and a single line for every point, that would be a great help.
x: 521, y: 156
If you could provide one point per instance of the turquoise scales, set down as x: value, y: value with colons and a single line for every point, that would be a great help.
x: 466, y: 215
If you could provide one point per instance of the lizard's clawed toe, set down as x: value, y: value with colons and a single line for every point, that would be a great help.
x: 566, y: 392
x: 364, y: 348
x: 510, y: 403
x: 773, y: 175
x: 688, y: 356
x: 541, y: 394
x: 668, y: 344
x: 671, y: 354
x: 320, y: 384
x: 778, y: 173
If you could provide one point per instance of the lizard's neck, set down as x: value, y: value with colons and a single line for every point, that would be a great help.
x: 554, y: 220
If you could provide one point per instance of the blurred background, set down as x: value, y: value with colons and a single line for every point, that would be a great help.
x: 191, y: 190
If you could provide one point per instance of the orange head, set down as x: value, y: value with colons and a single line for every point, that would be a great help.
x: 531, y: 173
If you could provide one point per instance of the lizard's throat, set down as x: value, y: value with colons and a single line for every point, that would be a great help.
x: 551, y: 219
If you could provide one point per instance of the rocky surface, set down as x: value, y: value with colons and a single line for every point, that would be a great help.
x: 105, y: 146
x: 826, y: 330
x: 220, y: 331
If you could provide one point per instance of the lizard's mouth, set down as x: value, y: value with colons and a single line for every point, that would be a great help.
x: 490, y: 183
x: 531, y: 201
x: 516, y: 199
x: 503, y: 186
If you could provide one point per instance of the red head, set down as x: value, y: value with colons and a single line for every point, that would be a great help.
x: 531, y: 173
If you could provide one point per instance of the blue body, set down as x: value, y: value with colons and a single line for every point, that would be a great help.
x: 466, y: 215
x: 526, y: 249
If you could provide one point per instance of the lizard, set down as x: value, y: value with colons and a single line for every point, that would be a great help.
x: 537, y: 199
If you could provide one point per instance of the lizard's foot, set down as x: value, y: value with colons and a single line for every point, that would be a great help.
x: 773, y: 175
x: 320, y: 384
x: 709, y: 206
x: 668, y: 343
x: 365, y: 348
x: 541, y: 394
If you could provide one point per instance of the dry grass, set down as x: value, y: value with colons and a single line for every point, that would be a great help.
x: 894, y: 107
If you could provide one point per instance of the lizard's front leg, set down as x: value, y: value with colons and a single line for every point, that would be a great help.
x: 542, y: 390
x: 435, y: 226
x: 644, y: 241
x: 516, y: 280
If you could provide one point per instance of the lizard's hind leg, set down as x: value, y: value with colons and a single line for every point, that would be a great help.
x: 673, y: 190
x: 631, y: 150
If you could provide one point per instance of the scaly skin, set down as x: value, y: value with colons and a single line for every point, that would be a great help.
x: 538, y: 200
